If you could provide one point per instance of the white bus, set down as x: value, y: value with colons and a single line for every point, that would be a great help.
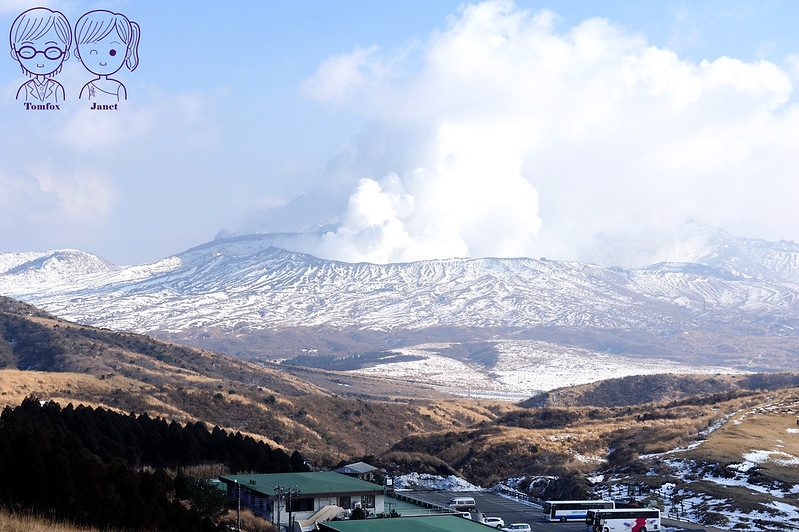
x: 623, y: 519
x: 572, y: 510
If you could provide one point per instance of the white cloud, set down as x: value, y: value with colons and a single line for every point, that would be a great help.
x: 46, y: 206
x: 180, y: 118
x: 344, y: 75
x: 85, y: 195
x: 536, y: 141
x: 82, y: 177
x: 63, y: 198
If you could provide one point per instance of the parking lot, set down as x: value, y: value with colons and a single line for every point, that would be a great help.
x: 494, y: 505
x: 512, y: 511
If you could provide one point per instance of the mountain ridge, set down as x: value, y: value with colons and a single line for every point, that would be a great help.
x: 245, y: 287
x: 215, y: 269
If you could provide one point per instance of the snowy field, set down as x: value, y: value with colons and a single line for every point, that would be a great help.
x: 779, y: 509
x: 523, y: 369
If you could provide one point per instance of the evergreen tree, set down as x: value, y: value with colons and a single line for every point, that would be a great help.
x: 83, y: 465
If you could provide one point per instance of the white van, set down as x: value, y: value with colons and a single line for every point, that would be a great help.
x: 461, y: 503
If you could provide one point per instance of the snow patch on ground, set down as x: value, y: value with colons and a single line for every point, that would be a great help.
x: 523, y: 369
x: 681, y: 501
x: 689, y: 499
x: 759, y: 456
x: 778, y: 509
x: 437, y: 482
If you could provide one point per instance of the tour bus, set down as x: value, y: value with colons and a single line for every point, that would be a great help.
x: 572, y: 510
x: 623, y: 519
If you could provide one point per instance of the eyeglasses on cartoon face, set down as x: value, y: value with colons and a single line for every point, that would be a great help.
x: 51, y: 52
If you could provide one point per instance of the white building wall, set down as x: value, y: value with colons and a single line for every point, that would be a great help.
x: 321, y: 502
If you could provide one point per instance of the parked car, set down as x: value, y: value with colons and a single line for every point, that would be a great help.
x: 517, y: 527
x: 496, y: 522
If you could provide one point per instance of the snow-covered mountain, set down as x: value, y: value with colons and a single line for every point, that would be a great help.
x: 697, y: 243
x: 46, y: 269
x: 247, y: 284
x: 747, y: 257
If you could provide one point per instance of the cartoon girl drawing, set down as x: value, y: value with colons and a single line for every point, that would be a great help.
x: 40, y: 40
x: 106, y: 41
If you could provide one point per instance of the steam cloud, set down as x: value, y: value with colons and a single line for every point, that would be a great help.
x: 499, y: 136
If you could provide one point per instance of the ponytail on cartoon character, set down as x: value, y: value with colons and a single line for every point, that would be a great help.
x: 95, y: 25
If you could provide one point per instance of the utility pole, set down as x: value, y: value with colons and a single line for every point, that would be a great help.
x: 285, y: 493
x: 238, y: 506
x: 278, y: 497
x: 289, y: 505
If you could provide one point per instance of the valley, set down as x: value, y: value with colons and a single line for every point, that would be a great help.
x: 521, y: 369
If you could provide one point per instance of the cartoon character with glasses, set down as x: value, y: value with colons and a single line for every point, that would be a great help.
x: 106, y: 41
x: 40, y: 40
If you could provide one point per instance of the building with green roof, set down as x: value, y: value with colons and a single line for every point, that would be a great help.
x: 281, y: 497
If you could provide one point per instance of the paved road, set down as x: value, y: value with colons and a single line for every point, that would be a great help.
x: 512, y: 511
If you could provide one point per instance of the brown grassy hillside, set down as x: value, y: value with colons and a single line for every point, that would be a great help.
x: 12, y: 522
x: 642, y: 389
x: 55, y: 359
x: 553, y: 440
x: 766, y: 434
x: 484, y: 441
x: 739, y: 476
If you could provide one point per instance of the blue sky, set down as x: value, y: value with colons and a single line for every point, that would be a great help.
x: 417, y: 129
